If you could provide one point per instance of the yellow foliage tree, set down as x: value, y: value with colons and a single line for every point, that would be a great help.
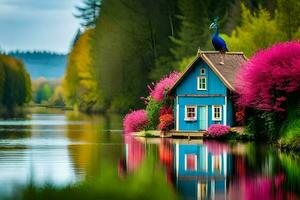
x: 80, y: 88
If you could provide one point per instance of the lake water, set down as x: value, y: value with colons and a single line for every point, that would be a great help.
x: 66, y: 148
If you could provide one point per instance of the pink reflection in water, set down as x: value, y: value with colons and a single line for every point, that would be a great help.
x: 134, y: 155
x: 257, y: 187
x: 216, y: 147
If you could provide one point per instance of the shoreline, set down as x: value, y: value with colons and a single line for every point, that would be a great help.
x: 233, y: 136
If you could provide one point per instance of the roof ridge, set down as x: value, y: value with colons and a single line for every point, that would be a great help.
x: 217, y: 52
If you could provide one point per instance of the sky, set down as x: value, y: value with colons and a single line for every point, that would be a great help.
x: 38, y: 24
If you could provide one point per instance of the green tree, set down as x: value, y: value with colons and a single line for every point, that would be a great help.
x: 257, y: 30
x: 89, y: 12
x: 287, y: 18
x: 43, y: 93
x: 130, y: 37
x: 58, y: 97
x: 194, y: 32
x: 15, y: 84
x: 2, y: 80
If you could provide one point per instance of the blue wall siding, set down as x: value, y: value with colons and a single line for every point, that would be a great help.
x: 189, y: 84
x: 199, y: 101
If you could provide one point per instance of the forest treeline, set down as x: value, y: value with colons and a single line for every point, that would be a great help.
x: 15, y: 84
x: 46, y: 64
x: 132, y: 43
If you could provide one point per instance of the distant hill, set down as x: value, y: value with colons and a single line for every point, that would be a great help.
x: 42, y: 64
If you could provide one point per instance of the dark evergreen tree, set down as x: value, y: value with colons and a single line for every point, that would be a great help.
x: 130, y: 37
x: 15, y: 83
x: 194, y: 31
x: 89, y: 12
x: 77, y: 36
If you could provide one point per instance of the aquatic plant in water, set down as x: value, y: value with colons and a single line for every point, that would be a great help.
x: 135, y: 121
x: 267, y: 79
x: 217, y: 130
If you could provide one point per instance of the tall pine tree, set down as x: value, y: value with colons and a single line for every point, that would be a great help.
x: 88, y: 13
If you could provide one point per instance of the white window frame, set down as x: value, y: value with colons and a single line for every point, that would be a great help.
x: 199, y: 78
x: 196, y: 162
x: 213, y: 112
x: 186, y: 118
x: 204, y: 71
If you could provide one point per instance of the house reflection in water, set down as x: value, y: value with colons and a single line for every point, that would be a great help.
x: 198, y: 170
x: 201, y: 173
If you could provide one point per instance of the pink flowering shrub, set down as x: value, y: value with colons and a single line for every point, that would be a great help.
x: 159, y: 90
x: 135, y: 121
x: 217, y: 130
x: 267, y: 79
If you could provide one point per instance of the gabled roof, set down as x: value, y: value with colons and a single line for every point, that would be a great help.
x: 226, y: 72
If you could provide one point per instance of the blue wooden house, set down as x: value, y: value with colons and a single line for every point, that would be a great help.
x: 201, y: 174
x: 202, y: 95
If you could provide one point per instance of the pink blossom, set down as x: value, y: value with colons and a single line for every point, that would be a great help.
x: 218, y: 130
x: 159, y: 91
x: 265, y: 81
x: 135, y: 121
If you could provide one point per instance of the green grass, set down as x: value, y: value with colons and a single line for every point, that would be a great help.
x: 290, y: 131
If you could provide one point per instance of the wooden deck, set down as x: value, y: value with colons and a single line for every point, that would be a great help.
x: 184, y: 134
x: 171, y: 134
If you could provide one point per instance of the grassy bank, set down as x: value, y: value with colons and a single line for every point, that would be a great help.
x: 236, y: 133
x: 290, y: 131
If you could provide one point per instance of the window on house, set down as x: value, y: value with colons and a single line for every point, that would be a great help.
x: 190, y: 113
x: 201, y: 83
x: 202, y: 71
x: 190, y: 161
x: 217, y: 113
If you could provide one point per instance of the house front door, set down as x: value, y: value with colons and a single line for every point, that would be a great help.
x: 202, y: 118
